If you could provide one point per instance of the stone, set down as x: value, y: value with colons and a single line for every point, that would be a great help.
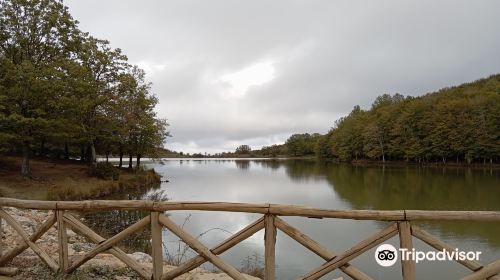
x: 97, y: 268
x: 141, y: 257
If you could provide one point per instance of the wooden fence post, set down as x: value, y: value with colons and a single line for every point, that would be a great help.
x: 157, y: 246
x: 1, y: 236
x: 62, y: 239
x: 408, y: 266
x: 269, y: 246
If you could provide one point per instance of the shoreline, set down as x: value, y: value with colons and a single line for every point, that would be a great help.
x: 362, y: 162
x: 70, y: 180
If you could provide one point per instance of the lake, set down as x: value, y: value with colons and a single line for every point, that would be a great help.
x: 335, y: 186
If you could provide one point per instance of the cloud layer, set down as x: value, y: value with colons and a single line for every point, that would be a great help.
x: 317, y: 59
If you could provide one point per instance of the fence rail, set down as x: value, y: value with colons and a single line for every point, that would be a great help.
x: 399, y: 223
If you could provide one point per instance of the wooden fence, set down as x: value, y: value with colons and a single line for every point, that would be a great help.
x: 399, y: 223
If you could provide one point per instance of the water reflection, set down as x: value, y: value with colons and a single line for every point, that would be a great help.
x: 327, y: 185
x: 423, y: 188
x: 401, y: 187
x: 110, y: 223
x: 242, y: 164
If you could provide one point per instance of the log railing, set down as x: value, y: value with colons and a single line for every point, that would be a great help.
x: 399, y: 223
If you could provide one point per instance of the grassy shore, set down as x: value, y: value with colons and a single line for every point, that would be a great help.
x: 67, y: 180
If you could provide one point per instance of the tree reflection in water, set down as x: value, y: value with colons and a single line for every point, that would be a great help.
x: 386, y: 187
x: 242, y: 164
x: 392, y: 187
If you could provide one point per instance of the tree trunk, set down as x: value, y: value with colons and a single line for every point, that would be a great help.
x: 381, y: 143
x: 138, y: 161
x: 92, y: 158
x: 66, y: 151
x: 130, y: 160
x: 468, y: 158
x: 88, y: 154
x: 25, y: 166
x: 82, y: 153
x: 42, y: 147
x: 121, y: 156
x: 107, y: 157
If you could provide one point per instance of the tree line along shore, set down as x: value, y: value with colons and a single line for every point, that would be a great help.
x: 66, y: 94
x: 455, y: 125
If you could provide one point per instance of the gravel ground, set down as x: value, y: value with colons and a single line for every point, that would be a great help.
x: 103, y: 266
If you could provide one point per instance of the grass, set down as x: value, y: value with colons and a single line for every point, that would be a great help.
x: 67, y: 180
x: 71, y: 189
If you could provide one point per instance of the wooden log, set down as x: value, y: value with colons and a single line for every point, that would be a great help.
x: 62, y: 239
x: 217, y: 250
x: 105, y: 245
x: 41, y: 253
x: 303, y: 239
x: 407, y: 266
x: 163, y: 206
x: 293, y: 210
x: 275, y: 209
x: 489, y: 270
x: 146, y: 205
x: 269, y: 248
x: 8, y: 256
x: 84, y: 230
x: 352, y: 253
x: 200, y: 248
x: 8, y: 271
x: 440, y: 245
x: 315, y: 247
x: 483, y: 216
x: 27, y: 204
x: 157, y: 246
x: 1, y: 236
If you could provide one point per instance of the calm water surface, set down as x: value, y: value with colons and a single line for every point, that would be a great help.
x: 336, y: 186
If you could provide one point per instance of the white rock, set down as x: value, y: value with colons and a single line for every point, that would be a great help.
x: 215, y: 276
x: 70, y: 233
x: 141, y: 257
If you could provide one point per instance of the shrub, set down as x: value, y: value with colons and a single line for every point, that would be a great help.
x: 105, y: 170
x: 89, y: 188
x: 71, y: 189
x: 253, y: 265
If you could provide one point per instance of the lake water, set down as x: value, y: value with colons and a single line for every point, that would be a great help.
x: 329, y: 185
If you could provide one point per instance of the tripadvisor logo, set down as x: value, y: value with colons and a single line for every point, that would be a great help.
x: 387, y: 255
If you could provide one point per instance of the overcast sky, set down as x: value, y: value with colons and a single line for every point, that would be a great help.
x: 231, y: 72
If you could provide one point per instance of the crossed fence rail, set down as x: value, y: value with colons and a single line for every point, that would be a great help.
x: 399, y: 223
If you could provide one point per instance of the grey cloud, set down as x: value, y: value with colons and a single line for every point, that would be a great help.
x: 328, y: 56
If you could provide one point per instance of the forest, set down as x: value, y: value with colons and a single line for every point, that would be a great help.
x: 459, y: 124
x: 66, y: 94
